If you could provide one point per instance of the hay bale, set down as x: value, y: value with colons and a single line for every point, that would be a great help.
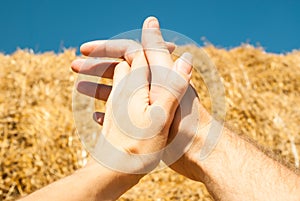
x: 37, y: 133
x: 38, y: 140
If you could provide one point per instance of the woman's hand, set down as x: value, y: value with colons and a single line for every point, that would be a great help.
x: 147, y: 88
x: 190, y: 119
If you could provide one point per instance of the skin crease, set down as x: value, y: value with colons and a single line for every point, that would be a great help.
x: 235, y: 170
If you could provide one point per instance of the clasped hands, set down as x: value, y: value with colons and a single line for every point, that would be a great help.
x: 150, y: 101
x: 153, y: 114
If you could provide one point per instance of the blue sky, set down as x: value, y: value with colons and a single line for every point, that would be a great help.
x: 44, y: 25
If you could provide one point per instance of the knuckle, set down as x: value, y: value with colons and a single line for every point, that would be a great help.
x: 133, y: 48
x: 177, y: 85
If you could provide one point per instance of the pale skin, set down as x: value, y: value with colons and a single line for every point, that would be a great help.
x: 235, y: 169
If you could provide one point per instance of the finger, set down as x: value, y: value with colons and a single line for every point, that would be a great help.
x: 180, y: 76
x: 95, y: 67
x: 98, y: 91
x: 176, y: 85
x: 154, y: 44
x: 170, y: 46
x: 140, y: 73
x: 113, y: 48
x: 139, y: 61
x: 183, y: 65
x: 99, y: 117
x: 121, y: 71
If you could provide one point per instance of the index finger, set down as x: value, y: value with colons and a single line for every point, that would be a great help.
x: 119, y: 48
x: 113, y: 48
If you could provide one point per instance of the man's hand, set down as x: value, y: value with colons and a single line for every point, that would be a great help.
x: 235, y: 169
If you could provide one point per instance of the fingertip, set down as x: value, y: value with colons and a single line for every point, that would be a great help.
x: 151, y: 23
x: 87, y: 88
x: 171, y: 46
x: 98, y: 117
x: 188, y: 58
x: 76, y: 65
x: 87, y: 48
x: 81, y: 86
x: 83, y: 48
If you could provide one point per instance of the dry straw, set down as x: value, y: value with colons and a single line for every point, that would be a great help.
x: 38, y: 142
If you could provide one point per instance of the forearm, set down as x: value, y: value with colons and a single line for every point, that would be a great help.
x: 237, y: 170
x: 91, y: 183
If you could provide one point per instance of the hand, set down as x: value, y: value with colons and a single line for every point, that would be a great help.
x: 131, y: 99
x: 194, y: 130
x: 188, y: 130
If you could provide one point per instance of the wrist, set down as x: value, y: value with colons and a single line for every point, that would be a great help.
x: 189, y: 163
x: 108, y: 184
x: 193, y: 155
x: 204, y: 145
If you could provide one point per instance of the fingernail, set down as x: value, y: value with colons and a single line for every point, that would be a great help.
x: 185, y: 63
x: 153, y: 23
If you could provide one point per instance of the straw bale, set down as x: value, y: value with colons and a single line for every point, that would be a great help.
x: 38, y: 141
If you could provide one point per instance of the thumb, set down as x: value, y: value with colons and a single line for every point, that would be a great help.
x: 184, y: 65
